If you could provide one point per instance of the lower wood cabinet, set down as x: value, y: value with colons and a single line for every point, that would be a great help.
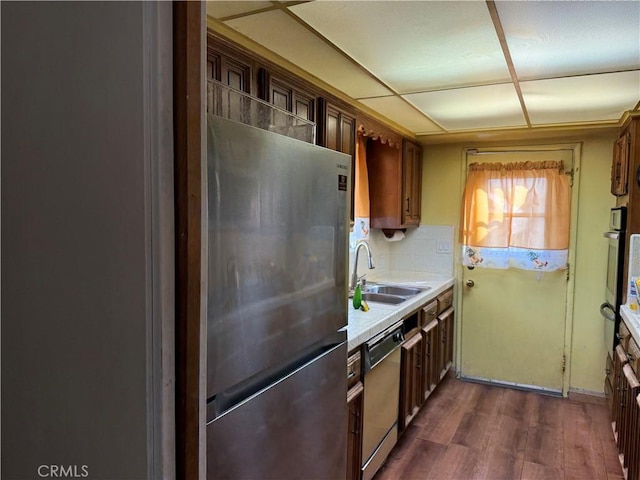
x: 619, y: 361
x: 627, y: 437
x: 411, y: 378
x: 426, y: 355
x: 445, y: 333
x: 354, y: 435
x: 633, y: 470
x: 431, y: 370
x: 622, y: 388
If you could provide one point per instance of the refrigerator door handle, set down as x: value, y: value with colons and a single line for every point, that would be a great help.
x: 231, y: 398
x: 607, y: 312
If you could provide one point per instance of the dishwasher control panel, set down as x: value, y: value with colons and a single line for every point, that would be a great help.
x: 380, y: 346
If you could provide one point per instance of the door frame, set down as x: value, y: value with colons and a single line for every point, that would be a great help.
x: 576, y: 148
x: 189, y: 92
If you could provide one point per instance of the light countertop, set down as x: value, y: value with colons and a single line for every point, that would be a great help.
x: 632, y: 319
x: 365, y: 325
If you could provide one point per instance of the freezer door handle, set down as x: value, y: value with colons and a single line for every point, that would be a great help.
x: 607, y: 312
x: 233, y: 397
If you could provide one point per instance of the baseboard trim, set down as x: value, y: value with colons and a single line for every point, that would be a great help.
x: 587, y: 396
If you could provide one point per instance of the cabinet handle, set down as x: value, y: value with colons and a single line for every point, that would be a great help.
x: 351, y: 375
x: 408, y: 204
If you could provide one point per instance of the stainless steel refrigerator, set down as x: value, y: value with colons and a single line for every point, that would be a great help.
x: 277, y: 305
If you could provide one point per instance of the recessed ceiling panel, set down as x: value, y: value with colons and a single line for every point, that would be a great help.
x: 283, y: 35
x: 469, y: 108
x: 416, y: 45
x: 589, y: 98
x: 222, y: 9
x: 550, y: 39
x: 396, y: 109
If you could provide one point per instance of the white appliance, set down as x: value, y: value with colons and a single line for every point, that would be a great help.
x: 610, y: 309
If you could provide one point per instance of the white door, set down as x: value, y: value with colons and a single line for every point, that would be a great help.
x: 513, y: 321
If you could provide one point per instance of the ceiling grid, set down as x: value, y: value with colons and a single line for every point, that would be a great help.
x: 449, y: 67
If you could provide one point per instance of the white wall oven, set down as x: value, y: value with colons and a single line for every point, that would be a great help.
x: 610, y: 309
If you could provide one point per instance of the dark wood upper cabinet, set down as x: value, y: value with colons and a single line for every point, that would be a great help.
x: 230, y: 66
x: 284, y: 93
x: 336, y: 127
x: 620, y: 164
x: 411, y: 183
x: 395, y: 184
x: 336, y: 130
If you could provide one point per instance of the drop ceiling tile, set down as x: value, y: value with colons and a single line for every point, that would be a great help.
x: 413, y: 45
x: 470, y: 108
x: 283, y: 35
x: 223, y: 9
x: 587, y: 98
x: 398, y: 110
x: 549, y: 39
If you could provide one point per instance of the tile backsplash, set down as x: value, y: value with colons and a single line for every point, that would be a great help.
x: 425, y: 249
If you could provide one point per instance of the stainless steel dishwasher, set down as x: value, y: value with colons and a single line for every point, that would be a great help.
x: 381, y: 398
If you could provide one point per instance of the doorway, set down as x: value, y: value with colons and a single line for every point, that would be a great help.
x: 515, y: 325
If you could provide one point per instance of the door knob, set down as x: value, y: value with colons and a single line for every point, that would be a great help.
x: 470, y: 283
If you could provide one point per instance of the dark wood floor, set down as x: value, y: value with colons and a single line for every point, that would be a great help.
x: 473, y: 431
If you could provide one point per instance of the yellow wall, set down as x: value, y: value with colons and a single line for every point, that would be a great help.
x: 441, y: 197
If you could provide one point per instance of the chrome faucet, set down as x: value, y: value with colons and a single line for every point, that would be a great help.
x: 354, y: 276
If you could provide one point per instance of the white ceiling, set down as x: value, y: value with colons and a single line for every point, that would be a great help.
x: 443, y: 67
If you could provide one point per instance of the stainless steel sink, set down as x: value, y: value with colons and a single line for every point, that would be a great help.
x: 390, y: 294
x: 392, y: 290
x: 383, y: 298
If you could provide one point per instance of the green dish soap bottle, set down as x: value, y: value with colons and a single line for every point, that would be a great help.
x: 357, y: 297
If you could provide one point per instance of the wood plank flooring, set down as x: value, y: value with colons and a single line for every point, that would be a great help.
x: 473, y: 431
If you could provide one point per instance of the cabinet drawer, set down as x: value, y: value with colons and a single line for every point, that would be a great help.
x: 353, y: 369
x: 624, y: 335
x: 445, y: 300
x: 429, y: 313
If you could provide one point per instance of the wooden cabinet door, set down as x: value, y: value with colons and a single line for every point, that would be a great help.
x: 230, y: 68
x: 619, y: 361
x: 411, y: 183
x: 430, y: 362
x: 608, y: 383
x: 411, y: 391
x: 445, y: 334
x: 347, y: 133
x: 336, y: 128
x: 284, y: 94
x: 337, y: 131
x: 620, y: 165
x: 354, y: 434
x: 395, y: 184
x: 384, y: 165
x: 634, y: 464
x: 631, y: 388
